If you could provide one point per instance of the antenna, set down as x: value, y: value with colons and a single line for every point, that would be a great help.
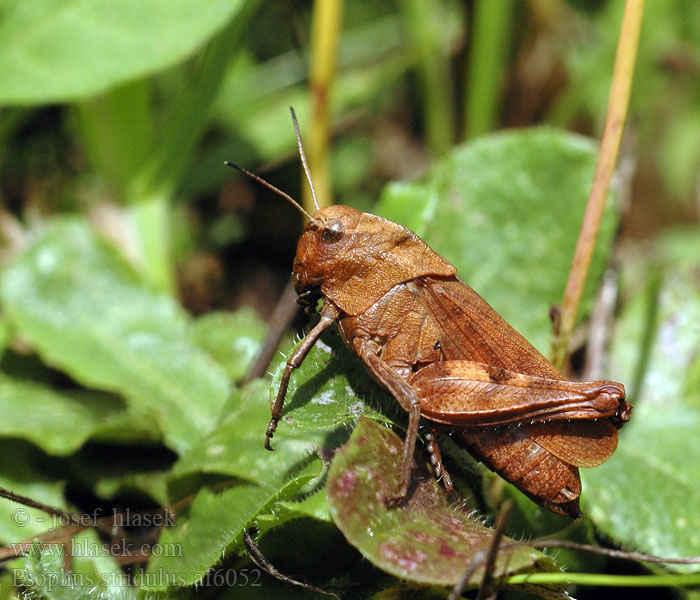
x: 269, y: 186
x: 303, y: 158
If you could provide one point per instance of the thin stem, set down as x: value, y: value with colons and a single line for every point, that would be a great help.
x: 434, y: 72
x: 151, y: 190
x: 325, y: 36
x: 485, y: 557
x: 488, y: 54
x: 281, y: 318
x: 624, y: 554
x: 607, y: 157
x: 25, y: 501
x: 602, y: 579
x: 261, y: 562
x: 499, y: 527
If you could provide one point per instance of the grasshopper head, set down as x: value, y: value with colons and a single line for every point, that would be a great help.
x: 322, y: 251
x: 353, y: 258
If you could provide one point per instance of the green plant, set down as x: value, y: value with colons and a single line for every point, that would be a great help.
x: 127, y: 245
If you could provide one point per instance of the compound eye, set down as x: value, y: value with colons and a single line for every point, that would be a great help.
x: 332, y: 232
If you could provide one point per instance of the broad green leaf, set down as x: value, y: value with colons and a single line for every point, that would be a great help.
x: 233, y: 339
x: 85, y: 311
x: 331, y: 388
x: 57, y: 422
x: 325, y: 393
x: 61, y: 50
x: 20, y: 473
x: 426, y: 540
x: 646, y: 496
x: 235, y: 447
x: 212, y: 524
x: 506, y: 210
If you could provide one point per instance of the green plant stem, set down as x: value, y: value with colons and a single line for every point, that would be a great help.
x: 325, y: 37
x: 607, y: 158
x: 487, y: 58
x: 434, y: 72
x: 152, y: 188
x: 602, y: 579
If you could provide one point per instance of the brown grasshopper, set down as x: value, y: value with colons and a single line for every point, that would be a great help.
x: 448, y: 357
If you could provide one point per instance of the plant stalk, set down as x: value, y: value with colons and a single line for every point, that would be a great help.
x: 488, y: 55
x: 325, y: 37
x: 434, y: 72
x: 607, y: 158
x: 604, y: 579
x: 151, y: 190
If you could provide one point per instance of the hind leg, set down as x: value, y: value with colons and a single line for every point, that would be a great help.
x: 433, y: 449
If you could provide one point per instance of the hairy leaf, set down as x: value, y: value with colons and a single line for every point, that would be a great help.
x: 235, y: 447
x: 425, y: 540
x: 43, y: 577
x: 214, y: 522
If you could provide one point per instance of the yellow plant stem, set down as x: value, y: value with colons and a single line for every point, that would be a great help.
x: 325, y: 31
x: 607, y: 158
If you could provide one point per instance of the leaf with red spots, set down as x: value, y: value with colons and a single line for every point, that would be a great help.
x: 426, y: 539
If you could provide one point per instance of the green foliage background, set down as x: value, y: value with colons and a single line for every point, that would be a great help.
x: 137, y: 273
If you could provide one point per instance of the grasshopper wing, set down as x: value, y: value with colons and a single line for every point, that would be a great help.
x: 466, y: 393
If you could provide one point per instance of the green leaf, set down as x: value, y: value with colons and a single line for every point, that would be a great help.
x: 43, y: 577
x: 646, y: 495
x: 93, y: 565
x: 364, y: 472
x: 326, y: 393
x: 314, y: 506
x: 235, y: 447
x: 506, y: 210
x: 331, y: 388
x: 57, y: 422
x: 56, y: 51
x: 233, y: 339
x: 198, y: 539
x: 85, y: 311
x: 215, y: 522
